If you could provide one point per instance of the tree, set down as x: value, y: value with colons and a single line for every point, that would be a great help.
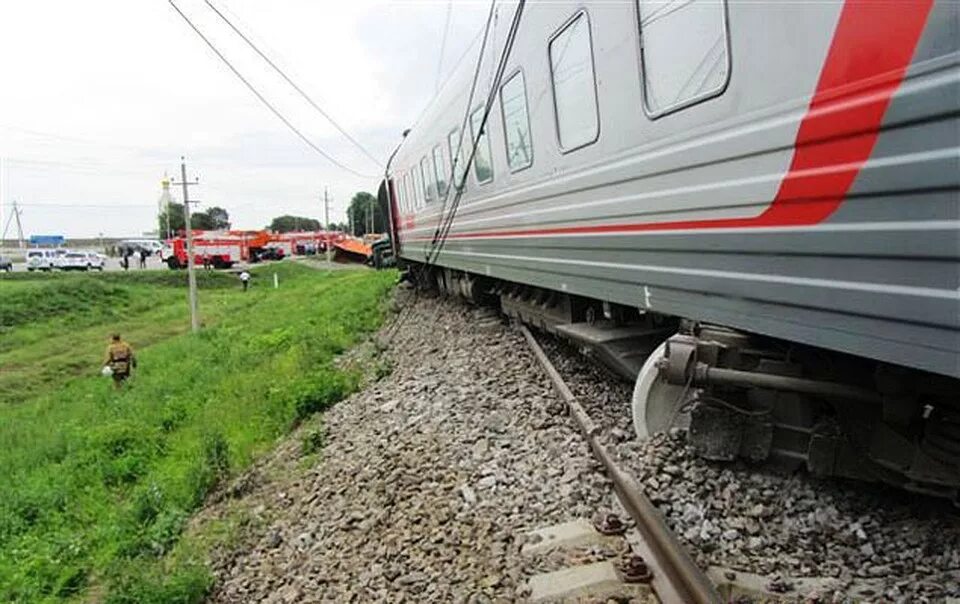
x: 214, y: 219
x: 176, y: 219
x: 202, y: 221
x: 219, y: 217
x: 288, y: 223
x: 364, y: 208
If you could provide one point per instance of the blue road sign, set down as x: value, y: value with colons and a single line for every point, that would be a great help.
x: 46, y: 240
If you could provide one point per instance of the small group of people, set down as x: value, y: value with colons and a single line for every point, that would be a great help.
x: 126, y: 253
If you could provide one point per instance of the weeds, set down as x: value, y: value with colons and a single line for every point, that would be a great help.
x: 98, y: 485
x: 311, y: 442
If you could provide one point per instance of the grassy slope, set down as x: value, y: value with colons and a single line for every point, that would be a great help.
x: 98, y: 484
x: 55, y: 327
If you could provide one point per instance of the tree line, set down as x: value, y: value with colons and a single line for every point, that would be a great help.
x: 364, y: 215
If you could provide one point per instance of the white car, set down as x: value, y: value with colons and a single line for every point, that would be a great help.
x: 81, y: 261
x: 97, y: 261
x: 74, y: 261
x: 58, y: 256
x: 41, y: 260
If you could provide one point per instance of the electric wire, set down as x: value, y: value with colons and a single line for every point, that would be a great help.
x: 463, y: 130
x: 419, y: 271
x: 443, y: 46
x: 445, y: 222
x: 263, y: 99
x: 491, y: 98
x: 293, y: 84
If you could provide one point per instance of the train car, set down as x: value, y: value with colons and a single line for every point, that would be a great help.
x: 751, y: 208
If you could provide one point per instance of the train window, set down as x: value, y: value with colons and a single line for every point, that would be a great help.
x: 398, y: 189
x: 677, y: 75
x: 407, y: 202
x: 482, y: 167
x: 417, y: 184
x: 574, y: 84
x: 516, y: 123
x: 411, y: 196
x: 440, y: 171
x: 453, y: 142
x: 429, y: 182
x: 406, y: 193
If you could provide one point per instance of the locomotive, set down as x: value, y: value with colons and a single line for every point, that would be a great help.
x: 752, y: 209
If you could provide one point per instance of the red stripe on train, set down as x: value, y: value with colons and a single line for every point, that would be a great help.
x: 872, y: 47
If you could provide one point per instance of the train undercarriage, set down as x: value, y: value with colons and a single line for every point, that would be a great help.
x: 740, y: 395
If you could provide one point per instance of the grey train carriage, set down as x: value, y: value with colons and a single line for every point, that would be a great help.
x: 750, y: 208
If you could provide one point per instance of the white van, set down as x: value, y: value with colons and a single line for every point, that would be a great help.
x: 150, y: 245
x: 41, y: 260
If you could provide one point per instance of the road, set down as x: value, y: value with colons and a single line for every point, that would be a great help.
x: 112, y: 264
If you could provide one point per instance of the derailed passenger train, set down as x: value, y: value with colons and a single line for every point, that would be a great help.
x: 751, y: 208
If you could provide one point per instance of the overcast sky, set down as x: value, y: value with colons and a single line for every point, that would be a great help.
x: 99, y: 99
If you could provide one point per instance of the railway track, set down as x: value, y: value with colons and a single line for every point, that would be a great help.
x: 460, y: 477
x: 673, y: 574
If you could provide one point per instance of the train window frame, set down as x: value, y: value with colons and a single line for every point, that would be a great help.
x: 397, y: 197
x: 553, y: 88
x: 417, y: 183
x: 526, y: 112
x: 425, y: 171
x: 702, y: 97
x: 406, y: 192
x: 439, y: 171
x: 474, y: 139
x: 458, y: 178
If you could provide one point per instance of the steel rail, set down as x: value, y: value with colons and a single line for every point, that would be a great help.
x: 676, y: 577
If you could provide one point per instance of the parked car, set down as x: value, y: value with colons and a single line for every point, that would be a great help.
x: 270, y: 253
x: 58, y: 255
x: 74, y: 261
x: 6, y: 264
x: 96, y: 260
x: 41, y: 260
x: 82, y: 261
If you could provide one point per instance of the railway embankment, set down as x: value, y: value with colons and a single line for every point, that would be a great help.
x: 448, y: 475
x: 428, y: 479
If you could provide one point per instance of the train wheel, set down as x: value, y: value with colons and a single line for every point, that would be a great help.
x: 656, y: 403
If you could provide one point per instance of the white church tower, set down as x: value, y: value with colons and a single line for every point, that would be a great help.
x: 163, y: 205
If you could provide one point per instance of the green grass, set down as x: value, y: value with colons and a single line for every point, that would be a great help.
x: 97, y: 484
x: 54, y: 327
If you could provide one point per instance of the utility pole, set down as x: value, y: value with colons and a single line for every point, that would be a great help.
x: 15, y: 215
x: 191, y: 276
x: 326, y: 228
x: 3, y: 186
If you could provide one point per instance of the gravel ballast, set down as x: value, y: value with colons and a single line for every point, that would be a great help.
x: 756, y: 520
x: 427, y: 478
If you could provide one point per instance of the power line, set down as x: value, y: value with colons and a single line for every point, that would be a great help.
x: 293, y: 84
x: 445, y: 222
x: 443, y: 231
x: 113, y: 206
x: 443, y: 46
x: 263, y: 100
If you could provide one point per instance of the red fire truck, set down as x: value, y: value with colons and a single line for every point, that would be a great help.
x: 219, y: 249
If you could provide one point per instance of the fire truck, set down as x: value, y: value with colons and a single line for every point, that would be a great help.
x: 221, y: 250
